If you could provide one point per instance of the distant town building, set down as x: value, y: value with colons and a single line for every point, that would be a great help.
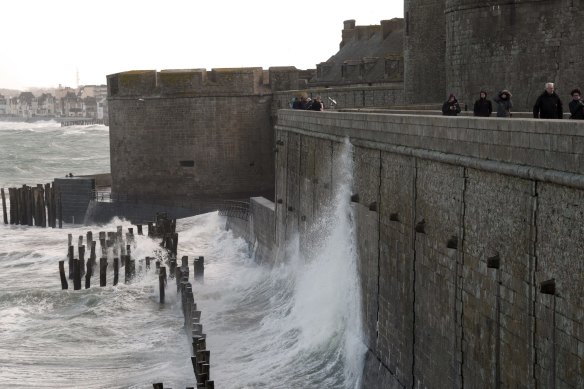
x: 88, y: 101
x: 3, y: 105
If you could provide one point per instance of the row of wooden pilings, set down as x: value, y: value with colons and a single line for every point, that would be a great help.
x: 114, y: 246
x: 33, y: 206
x: 200, y: 356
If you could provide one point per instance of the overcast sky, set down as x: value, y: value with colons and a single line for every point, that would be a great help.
x: 43, y: 43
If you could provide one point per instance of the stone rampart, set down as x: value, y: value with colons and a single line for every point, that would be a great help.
x: 469, y: 237
x: 345, y: 96
x: 192, y: 134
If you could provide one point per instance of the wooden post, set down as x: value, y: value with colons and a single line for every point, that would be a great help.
x: 199, y: 269
x: 158, y: 386
x: 89, y: 238
x: 116, y: 270
x: 102, y: 271
x: 69, y: 239
x: 70, y: 255
x: 4, y: 207
x: 150, y: 229
x: 64, y: 283
x: 162, y: 283
x: 76, y: 274
x: 29, y: 207
x: 12, y: 205
x: 128, y: 269
x: 42, y: 206
x: 60, y: 211
x: 175, y: 243
x: 48, y: 205
x: 81, y: 250
x: 88, y: 275
x: 92, y: 256
x: 80, y: 243
x: 157, y: 267
x: 139, y: 229
x: 147, y: 263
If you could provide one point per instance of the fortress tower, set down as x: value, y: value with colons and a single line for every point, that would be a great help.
x: 424, y: 46
x: 513, y: 44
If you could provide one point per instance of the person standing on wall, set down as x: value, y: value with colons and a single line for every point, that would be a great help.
x: 451, y: 107
x: 548, y: 104
x: 483, y: 107
x: 504, y: 104
x: 317, y: 104
x: 576, y: 105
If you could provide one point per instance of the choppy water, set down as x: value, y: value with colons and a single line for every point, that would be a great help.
x: 296, y: 325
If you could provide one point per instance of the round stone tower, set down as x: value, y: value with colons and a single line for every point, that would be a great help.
x: 424, y: 46
x: 514, y: 44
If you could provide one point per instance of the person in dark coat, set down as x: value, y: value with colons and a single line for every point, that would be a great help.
x: 548, y: 104
x: 504, y: 104
x: 451, y: 107
x: 576, y: 105
x: 483, y: 107
x: 296, y: 104
x: 317, y: 105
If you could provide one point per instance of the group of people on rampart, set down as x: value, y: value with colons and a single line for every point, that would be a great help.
x: 308, y: 104
x: 547, y: 106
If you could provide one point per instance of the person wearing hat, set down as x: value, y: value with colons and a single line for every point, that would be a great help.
x: 504, y: 104
x: 483, y: 107
x: 576, y: 105
x: 451, y: 107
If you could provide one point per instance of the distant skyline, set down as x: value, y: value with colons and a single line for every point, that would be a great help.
x: 46, y: 42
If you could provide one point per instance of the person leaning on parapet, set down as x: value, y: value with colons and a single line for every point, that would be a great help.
x: 548, y: 104
x: 317, y: 105
x: 296, y: 104
x: 305, y: 103
x: 483, y: 107
x: 451, y: 107
x: 576, y: 105
x: 504, y: 104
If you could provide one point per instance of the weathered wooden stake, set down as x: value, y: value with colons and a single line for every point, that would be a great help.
x: 4, y: 207
x: 139, y: 229
x: 64, y: 283
x: 147, y: 263
x: 128, y: 270
x: 199, y: 273
x: 116, y: 270
x: 60, y: 207
x: 92, y: 256
x: 70, y: 255
x: 81, y: 250
x: 76, y: 274
x: 162, y: 283
x: 102, y: 271
x: 88, y: 275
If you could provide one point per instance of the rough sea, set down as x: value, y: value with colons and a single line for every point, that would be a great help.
x: 294, y: 325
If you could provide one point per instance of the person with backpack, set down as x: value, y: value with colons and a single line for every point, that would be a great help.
x: 504, y: 104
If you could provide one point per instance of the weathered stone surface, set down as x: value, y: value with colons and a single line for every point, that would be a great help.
x: 560, y: 247
x: 515, y: 45
x: 437, y: 312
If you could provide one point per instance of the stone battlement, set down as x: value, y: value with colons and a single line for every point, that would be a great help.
x: 200, y: 82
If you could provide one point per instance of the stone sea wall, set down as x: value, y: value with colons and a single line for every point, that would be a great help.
x: 469, y: 235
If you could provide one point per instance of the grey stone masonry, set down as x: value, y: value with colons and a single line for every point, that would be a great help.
x: 460, y: 223
x: 76, y: 193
